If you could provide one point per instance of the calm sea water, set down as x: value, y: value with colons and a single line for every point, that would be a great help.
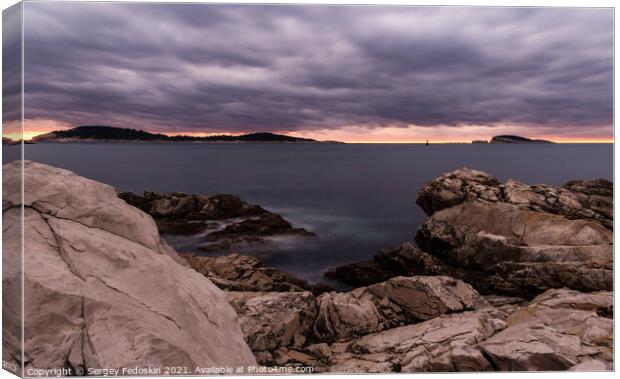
x: 357, y: 198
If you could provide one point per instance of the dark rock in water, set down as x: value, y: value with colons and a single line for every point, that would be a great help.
x: 268, y: 224
x: 179, y: 213
x: 236, y: 272
x: 360, y: 273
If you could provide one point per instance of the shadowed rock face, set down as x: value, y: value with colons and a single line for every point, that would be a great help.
x: 102, y: 290
x: 236, y: 272
x: 226, y: 220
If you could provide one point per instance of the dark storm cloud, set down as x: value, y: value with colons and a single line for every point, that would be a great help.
x: 245, y: 68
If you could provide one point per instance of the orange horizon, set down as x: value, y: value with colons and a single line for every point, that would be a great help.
x: 30, y: 135
x: 353, y: 135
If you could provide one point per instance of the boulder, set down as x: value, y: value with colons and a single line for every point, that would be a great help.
x: 456, y: 187
x: 101, y: 288
x: 524, y: 252
x: 236, y: 272
x: 559, y: 330
x: 398, y: 301
x: 270, y: 320
x: 601, y: 302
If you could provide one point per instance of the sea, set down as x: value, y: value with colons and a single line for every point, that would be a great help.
x: 357, y: 198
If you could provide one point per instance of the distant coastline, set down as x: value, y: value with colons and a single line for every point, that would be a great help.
x: 110, y: 134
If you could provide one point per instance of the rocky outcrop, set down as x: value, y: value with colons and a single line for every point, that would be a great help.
x: 399, y: 301
x: 226, y: 220
x: 457, y: 187
x: 445, y: 343
x: 236, y: 272
x: 523, y: 252
x: 585, y: 199
x: 270, y: 320
x: 559, y: 330
x: 102, y: 289
x: 524, y: 239
x: 542, y: 336
x: 512, y: 239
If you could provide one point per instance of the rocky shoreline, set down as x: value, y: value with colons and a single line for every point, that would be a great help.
x: 505, y: 277
x: 504, y: 238
x: 226, y: 221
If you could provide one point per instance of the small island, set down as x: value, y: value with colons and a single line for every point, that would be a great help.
x: 506, y: 138
x: 97, y: 133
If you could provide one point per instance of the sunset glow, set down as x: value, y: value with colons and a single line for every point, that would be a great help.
x: 387, y: 135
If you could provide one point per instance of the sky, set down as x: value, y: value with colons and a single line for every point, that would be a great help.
x: 357, y: 74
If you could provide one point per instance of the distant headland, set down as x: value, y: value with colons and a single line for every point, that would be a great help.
x: 98, y: 133
x: 511, y: 139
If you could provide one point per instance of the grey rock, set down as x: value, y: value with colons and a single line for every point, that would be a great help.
x: 398, y: 301
x: 445, y: 343
x: 525, y: 252
x: 558, y: 330
x: 586, y: 199
x: 270, y: 320
x: 102, y: 289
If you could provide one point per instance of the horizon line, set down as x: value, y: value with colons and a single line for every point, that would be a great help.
x: 30, y: 135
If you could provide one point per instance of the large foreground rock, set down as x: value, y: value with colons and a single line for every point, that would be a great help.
x: 102, y: 290
x: 559, y: 330
x: 399, y: 301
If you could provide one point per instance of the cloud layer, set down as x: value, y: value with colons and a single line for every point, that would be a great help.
x: 226, y: 68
